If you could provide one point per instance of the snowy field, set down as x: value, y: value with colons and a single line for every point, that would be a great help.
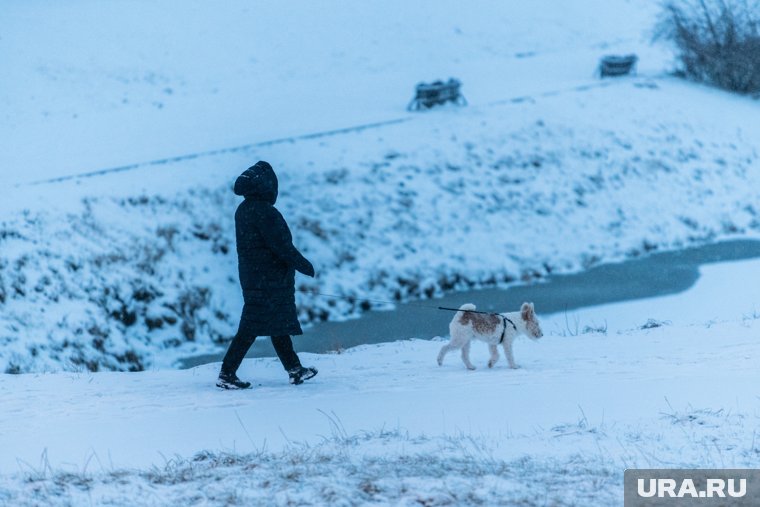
x: 384, y: 424
x: 122, y: 127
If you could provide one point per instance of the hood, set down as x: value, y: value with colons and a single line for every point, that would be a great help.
x: 258, y: 182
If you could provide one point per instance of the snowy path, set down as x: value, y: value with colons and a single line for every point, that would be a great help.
x: 628, y: 376
x: 136, y: 419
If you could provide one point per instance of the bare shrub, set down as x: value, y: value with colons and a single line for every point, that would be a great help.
x: 718, y: 41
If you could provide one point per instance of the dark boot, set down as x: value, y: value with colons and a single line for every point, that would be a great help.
x: 299, y: 374
x: 283, y: 345
x: 235, y: 353
x: 231, y: 381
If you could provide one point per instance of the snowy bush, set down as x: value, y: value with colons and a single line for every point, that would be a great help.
x: 110, y: 286
x: 718, y: 41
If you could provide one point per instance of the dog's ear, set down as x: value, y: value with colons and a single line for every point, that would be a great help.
x: 526, y: 311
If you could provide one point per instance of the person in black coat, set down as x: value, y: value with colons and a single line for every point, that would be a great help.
x: 267, y: 262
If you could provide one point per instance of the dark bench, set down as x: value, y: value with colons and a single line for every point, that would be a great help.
x: 614, y: 65
x: 437, y: 93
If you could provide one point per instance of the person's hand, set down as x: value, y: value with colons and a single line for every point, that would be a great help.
x: 308, y: 269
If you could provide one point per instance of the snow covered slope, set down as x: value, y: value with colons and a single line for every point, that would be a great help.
x: 549, y: 170
x: 141, y: 271
x: 92, y: 84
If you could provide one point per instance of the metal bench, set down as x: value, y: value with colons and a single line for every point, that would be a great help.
x: 614, y: 65
x: 437, y: 93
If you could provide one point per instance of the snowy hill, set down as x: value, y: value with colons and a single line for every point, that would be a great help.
x: 549, y: 170
x: 97, y: 85
x: 139, y: 266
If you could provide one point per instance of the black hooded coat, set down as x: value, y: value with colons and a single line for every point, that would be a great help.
x: 267, y: 259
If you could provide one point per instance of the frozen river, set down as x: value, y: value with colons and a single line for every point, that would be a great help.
x: 658, y: 274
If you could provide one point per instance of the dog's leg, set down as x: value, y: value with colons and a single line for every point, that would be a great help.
x: 444, y: 350
x: 494, y: 355
x: 508, y: 353
x: 466, y: 356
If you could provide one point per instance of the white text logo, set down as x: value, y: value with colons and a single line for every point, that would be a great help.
x: 715, y: 488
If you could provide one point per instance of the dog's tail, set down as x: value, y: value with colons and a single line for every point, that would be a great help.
x: 459, y: 319
x: 463, y: 308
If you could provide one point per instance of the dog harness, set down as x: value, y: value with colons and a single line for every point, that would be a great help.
x: 504, y: 331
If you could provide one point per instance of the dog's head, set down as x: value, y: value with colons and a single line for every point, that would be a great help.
x: 532, y: 327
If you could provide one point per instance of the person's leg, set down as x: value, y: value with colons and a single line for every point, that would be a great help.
x: 237, y: 351
x: 283, y: 346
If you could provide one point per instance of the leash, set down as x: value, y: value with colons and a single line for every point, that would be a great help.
x: 427, y: 307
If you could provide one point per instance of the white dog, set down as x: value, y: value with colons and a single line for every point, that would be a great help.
x: 492, y: 328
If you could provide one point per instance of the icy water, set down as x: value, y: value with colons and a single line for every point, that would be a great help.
x: 657, y: 274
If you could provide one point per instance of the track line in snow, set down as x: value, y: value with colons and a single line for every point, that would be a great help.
x: 220, y: 151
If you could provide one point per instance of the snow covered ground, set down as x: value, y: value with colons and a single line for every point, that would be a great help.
x: 549, y: 170
x: 385, y: 424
